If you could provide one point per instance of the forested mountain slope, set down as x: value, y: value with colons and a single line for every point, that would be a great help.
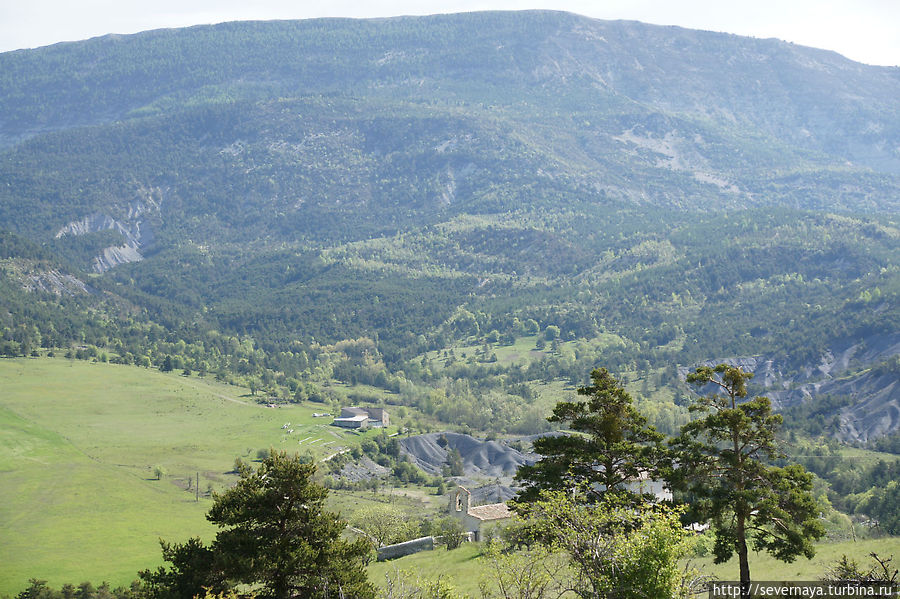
x: 529, y: 60
x: 259, y: 191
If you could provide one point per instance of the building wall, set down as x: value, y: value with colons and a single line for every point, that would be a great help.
x: 459, y: 501
x: 379, y: 416
x: 459, y: 509
x: 351, y: 423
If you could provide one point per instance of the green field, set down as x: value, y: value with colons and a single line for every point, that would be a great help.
x: 522, y: 352
x: 461, y: 567
x: 79, y: 445
x: 765, y: 567
x: 864, y: 458
x: 79, y: 500
x: 464, y: 569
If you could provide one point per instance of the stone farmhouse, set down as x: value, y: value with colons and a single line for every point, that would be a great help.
x: 479, y: 519
x: 362, y: 418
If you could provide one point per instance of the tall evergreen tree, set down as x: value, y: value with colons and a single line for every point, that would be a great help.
x: 724, y: 461
x: 168, y: 365
x: 612, y: 445
x: 277, y: 534
x: 275, y: 537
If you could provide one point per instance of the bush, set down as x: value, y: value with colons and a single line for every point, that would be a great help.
x: 451, y: 532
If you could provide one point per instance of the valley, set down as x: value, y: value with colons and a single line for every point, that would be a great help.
x: 82, y: 442
x: 211, y: 235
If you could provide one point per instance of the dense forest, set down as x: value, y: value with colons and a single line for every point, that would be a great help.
x: 264, y: 208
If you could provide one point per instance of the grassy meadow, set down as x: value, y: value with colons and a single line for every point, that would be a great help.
x: 522, y: 352
x: 80, y: 444
x: 461, y: 567
x: 464, y: 568
x: 765, y: 567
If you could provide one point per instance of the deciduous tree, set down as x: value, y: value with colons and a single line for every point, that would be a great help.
x: 385, y: 524
x: 614, y: 550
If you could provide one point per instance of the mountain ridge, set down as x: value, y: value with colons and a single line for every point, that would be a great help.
x: 428, y: 183
x: 645, y: 63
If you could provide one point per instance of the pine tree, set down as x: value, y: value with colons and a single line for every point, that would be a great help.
x: 277, y: 534
x: 724, y: 463
x: 613, y: 446
x: 275, y: 537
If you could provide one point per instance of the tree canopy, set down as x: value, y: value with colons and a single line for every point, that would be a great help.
x: 275, y: 536
x: 724, y: 461
x: 614, y: 551
x: 612, y: 445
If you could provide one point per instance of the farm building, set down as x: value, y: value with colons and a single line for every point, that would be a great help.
x: 644, y: 485
x: 362, y: 418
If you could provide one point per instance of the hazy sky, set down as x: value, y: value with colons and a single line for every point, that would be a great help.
x: 864, y: 30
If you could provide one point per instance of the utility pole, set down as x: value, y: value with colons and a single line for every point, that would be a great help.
x: 198, y: 487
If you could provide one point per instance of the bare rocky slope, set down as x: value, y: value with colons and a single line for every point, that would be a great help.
x: 857, y: 370
x: 481, y: 459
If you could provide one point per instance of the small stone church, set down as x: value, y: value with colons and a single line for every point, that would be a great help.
x: 478, y: 519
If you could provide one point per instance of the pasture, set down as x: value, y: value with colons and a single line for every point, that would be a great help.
x: 464, y: 568
x: 765, y: 567
x: 80, y: 447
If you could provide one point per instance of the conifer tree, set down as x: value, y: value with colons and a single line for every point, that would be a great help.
x: 612, y: 445
x: 724, y: 462
x: 275, y: 537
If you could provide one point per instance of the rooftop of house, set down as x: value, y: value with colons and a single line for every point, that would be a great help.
x: 348, y: 411
x: 354, y: 418
x: 493, y: 511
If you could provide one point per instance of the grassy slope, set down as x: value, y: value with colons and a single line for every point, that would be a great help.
x: 463, y: 569
x: 460, y: 567
x: 68, y: 518
x: 523, y: 351
x: 78, y: 445
x: 765, y: 567
x: 78, y: 499
x: 865, y: 458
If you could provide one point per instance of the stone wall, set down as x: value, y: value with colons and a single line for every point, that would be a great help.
x: 406, y: 548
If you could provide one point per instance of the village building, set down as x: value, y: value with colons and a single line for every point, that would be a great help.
x: 480, y: 519
x: 649, y: 486
x: 378, y: 417
x: 362, y: 418
x: 643, y: 484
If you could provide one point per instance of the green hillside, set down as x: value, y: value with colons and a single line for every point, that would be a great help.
x: 455, y: 216
x: 79, y: 446
x: 464, y: 569
x: 80, y: 443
